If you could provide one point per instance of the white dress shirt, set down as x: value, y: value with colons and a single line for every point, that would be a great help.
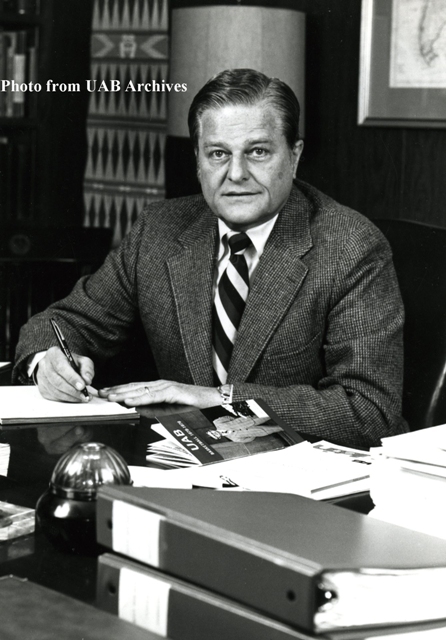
x: 258, y: 236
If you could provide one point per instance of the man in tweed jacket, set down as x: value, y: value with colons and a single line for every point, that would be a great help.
x: 320, y: 338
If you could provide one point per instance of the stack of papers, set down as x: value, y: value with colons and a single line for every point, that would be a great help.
x: 320, y: 471
x: 22, y: 405
x: 408, y: 480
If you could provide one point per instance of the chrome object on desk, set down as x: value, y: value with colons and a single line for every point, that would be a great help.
x: 66, y: 512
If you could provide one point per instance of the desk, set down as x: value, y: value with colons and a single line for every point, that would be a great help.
x: 34, y: 453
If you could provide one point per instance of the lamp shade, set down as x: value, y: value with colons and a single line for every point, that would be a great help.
x: 209, y: 39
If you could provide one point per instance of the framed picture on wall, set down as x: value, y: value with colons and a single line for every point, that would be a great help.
x: 402, y: 78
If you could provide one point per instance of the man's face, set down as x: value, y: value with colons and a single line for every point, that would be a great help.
x: 245, y: 165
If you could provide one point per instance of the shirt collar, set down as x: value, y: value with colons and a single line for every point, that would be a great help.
x: 258, y: 235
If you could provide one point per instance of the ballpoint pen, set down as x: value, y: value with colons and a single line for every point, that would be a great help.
x: 66, y: 350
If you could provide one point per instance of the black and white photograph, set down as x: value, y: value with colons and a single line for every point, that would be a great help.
x: 222, y: 319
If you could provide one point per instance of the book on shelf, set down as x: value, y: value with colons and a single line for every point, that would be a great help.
x: 19, y: 75
x: 203, y: 436
x: 10, y: 44
x: 18, y: 71
x: 23, y: 405
x: 30, y: 610
x: 305, y: 563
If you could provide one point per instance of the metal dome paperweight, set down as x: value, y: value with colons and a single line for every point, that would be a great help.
x: 66, y: 512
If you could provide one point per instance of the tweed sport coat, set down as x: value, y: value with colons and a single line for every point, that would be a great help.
x: 321, y: 335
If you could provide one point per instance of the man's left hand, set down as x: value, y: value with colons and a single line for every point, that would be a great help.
x: 138, y: 394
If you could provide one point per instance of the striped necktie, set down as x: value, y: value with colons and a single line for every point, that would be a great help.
x: 230, y: 299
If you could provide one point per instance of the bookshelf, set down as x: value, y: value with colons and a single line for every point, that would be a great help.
x: 18, y: 77
x: 42, y: 126
x: 43, y: 149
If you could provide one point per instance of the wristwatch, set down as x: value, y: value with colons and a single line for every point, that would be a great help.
x: 225, y: 391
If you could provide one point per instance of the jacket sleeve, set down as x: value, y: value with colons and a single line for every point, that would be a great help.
x: 96, y: 317
x: 358, y: 399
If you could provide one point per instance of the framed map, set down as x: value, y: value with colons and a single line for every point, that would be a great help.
x: 402, y: 76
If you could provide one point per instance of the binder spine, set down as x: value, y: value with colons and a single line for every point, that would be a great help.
x: 177, y: 610
x: 267, y: 584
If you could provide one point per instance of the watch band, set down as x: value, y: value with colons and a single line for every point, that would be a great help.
x: 225, y: 391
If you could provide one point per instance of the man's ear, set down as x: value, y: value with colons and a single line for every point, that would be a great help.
x: 198, y: 166
x: 297, y: 152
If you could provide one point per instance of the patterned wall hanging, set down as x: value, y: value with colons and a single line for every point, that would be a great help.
x: 126, y: 125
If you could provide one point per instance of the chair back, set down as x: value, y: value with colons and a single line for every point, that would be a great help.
x: 39, y: 266
x: 419, y: 254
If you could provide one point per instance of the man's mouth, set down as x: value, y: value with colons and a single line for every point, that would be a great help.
x: 238, y: 194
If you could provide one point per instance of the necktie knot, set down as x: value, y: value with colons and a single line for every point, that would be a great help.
x: 238, y: 243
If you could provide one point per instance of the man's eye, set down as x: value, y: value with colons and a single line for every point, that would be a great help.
x: 218, y: 154
x: 258, y: 152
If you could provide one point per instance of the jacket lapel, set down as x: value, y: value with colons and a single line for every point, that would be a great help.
x: 279, y: 276
x: 191, y: 273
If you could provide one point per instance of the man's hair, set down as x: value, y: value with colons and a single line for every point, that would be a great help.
x: 246, y: 87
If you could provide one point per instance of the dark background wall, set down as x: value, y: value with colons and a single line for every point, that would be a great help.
x: 382, y: 172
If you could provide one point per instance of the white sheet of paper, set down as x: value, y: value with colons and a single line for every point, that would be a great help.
x: 318, y: 471
x: 158, y: 478
x: 425, y: 445
x: 25, y: 402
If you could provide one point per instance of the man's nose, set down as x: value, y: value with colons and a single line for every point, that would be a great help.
x: 238, y: 169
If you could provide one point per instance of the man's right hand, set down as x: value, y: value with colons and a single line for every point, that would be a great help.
x: 57, y: 380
